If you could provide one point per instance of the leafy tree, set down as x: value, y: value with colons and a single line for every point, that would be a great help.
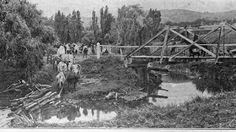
x: 152, y: 21
x: 94, y: 26
x: 106, y: 20
x: 128, y: 24
x: 68, y: 28
x: 23, y: 36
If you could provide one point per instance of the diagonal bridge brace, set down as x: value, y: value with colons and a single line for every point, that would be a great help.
x: 136, y: 50
x: 193, y: 43
x: 168, y: 41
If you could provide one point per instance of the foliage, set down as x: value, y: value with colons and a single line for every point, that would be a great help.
x: 152, y: 21
x: 45, y: 76
x: 88, y: 38
x: 94, y: 26
x: 23, y: 36
x: 69, y: 28
x: 106, y: 20
x: 215, y: 78
x: 128, y: 25
x: 134, y: 26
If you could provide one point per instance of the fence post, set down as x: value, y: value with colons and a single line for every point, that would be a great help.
x: 98, y: 50
x: 121, y: 54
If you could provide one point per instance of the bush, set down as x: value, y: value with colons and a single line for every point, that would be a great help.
x: 44, y: 76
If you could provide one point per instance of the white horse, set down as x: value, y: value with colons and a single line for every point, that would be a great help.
x: 62, y: 67
x: 60, y: 79
x: 67, y: 58
x: 61, y: 51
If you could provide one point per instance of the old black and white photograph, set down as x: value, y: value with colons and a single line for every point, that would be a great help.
x: 118, y: 64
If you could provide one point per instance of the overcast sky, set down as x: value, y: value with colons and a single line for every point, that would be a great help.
x: 49, y: 7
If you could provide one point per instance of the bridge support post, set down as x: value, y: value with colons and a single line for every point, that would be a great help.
x: 218, y: 45
x: 98, y: 50
x: 164, y: 45
x: 147, y: 80
x: 142, y: 76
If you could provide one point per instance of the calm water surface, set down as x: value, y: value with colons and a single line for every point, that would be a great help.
x: 69, y: 114
x: 180, y: 90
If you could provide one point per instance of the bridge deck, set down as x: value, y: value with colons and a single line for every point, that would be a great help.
x: 183, y: 57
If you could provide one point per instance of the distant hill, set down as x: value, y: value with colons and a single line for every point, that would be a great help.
x: 180, y: 15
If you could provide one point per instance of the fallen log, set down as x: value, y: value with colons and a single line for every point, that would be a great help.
x: 18, y: 111
x: 15, y: 84
x: 57, y: 103
x: 38, y: 95
x: 158, y: 96
x: 39, y: 101
x: 14, y: 88
x: 20, y: 99
x: 16, y: 103
x: 42, y: 104
x: 48, y: 95
x: 26, y: 119
x: 26, y: 102
x: 44, y: 86
x: 163, y: 89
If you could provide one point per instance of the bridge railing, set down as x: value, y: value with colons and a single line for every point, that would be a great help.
x: 122, y: 51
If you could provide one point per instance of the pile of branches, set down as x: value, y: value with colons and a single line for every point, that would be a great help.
x: 38, y: 96
x: 5, y: 120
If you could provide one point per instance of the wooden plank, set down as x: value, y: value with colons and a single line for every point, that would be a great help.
x: 194, y: 43
x: 136, y: 50
x: 155, y: 51
x: 182, y: 57
x: 218, y: 46
x: 174, y: 46
x: 231, y: 27
x: 164, y: 45
x: 216, y: 40
x: 181, y: 51
x: 167, y: 42
x: 225, y: 45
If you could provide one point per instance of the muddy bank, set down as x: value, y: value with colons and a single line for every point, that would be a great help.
x: 109, y: 74
x: 215, y: 112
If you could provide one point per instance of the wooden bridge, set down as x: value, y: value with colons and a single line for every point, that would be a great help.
x: 179, y: 40
x: 172, y: 44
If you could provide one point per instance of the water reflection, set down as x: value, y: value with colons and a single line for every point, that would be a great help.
x: 172, y: 77
x: 214, y: 78
x: 68, y: 114
x: 177, y: 94
x: 180, y: 90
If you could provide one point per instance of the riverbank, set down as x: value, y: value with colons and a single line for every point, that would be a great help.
x: 109, y: 75
x: 215, y: 112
